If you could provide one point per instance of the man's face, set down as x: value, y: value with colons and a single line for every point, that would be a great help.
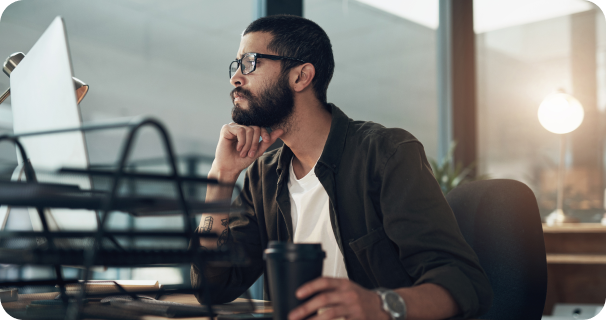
x: 262, y: 98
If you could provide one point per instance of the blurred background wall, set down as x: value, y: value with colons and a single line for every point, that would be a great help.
x: 517, y: 67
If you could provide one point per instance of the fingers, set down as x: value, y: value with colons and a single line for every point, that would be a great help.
x: 264, y: 135
x: 249, y: 137
x: 269, y: 139
x: 254, y: 146
x: 235, y: 132
x: 318, y: 285
x: 318, y: 302
x: 275, y: 135
x: 246, y: 139
x: 332, y: 313
x: 335, y: 298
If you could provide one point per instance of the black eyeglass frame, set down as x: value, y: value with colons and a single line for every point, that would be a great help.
x: 256, y: 56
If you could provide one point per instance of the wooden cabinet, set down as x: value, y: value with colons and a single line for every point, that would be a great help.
x: 576, y: 264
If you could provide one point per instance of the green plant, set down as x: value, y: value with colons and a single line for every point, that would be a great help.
x: 450, y: 174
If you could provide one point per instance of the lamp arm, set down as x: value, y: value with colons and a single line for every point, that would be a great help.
x: 561, y: 175
x: 5, y: 95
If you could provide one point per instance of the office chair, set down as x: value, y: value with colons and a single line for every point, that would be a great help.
x: 500, y: 220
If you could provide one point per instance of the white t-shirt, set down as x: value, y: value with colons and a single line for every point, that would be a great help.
x: 309, y: 205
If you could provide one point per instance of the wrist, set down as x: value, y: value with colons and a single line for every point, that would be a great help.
x: 223, y: 176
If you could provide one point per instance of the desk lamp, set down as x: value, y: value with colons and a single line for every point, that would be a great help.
x: 13, y: 60
x: 560, y: 113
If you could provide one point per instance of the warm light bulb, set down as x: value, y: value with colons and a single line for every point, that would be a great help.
x: 560, y: 113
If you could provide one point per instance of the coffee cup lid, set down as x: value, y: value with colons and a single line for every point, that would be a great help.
x: 294, y: 251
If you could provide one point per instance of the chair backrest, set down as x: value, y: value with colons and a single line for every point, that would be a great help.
x: 500, y: 220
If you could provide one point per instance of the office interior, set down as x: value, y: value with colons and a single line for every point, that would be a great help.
x: 169, y: 60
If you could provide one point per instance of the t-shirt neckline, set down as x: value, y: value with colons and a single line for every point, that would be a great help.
x: 309, y: 180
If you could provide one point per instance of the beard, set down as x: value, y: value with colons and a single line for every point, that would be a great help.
x: 271, y: 108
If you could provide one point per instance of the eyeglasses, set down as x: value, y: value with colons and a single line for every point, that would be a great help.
x: 248, y: 63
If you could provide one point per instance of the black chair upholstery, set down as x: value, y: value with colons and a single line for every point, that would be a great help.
x: 500, y: 220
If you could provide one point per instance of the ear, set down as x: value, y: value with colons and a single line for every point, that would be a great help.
x: 301, y: 76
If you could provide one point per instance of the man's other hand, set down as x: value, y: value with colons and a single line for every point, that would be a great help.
x: 238, y: 147
x: 340, y: 298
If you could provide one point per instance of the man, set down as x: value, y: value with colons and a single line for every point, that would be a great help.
x: 364, y: 191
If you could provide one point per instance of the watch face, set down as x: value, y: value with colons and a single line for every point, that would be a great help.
x: 394, y: 302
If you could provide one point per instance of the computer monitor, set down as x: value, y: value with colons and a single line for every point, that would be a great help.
x: 43, y: 98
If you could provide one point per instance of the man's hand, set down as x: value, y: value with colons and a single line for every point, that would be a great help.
x: 238, y: 147
x: 343, y: 298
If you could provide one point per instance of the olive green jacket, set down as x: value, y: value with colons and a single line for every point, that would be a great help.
x: 389, y: 216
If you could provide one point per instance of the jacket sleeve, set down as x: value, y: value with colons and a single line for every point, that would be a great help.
x: 228, y: 283
x: 417, y: 218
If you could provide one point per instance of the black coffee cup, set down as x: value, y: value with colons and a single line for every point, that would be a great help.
x: 290, y: 265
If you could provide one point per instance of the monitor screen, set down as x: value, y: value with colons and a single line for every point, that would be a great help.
x: 43, y: 98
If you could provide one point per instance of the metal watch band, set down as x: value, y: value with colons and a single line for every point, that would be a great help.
x: 388, y: 305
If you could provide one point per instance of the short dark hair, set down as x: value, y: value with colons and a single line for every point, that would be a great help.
x: 300, y: 38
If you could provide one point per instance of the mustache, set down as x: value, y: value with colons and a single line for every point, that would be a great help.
x: 241, y: 92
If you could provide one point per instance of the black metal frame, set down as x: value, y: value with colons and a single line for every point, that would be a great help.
x: 90, y: 256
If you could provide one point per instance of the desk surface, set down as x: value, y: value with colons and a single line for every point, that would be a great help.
x: 575, y: 228
x: 26, y: 299
x: 260, y: 306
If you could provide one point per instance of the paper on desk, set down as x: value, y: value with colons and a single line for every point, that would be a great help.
x: 108, y: 286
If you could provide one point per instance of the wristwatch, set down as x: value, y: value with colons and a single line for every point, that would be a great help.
x: 392, y: 303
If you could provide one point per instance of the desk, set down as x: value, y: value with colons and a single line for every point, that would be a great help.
x: 260, y: 306
x: 576, y: 264
x: 25, y: 299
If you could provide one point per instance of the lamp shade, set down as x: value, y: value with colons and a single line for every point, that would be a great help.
x: 560, y: 113
x: 14, y: 59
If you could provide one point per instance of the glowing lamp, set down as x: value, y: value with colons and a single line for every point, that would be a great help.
x: 560, y: 113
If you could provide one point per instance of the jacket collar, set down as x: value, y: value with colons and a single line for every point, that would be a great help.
x: 333, y: 149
